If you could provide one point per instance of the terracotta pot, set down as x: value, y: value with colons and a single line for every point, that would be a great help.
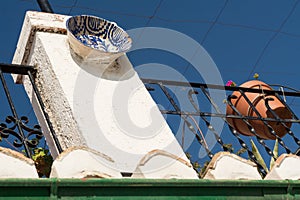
x: 258, y: 100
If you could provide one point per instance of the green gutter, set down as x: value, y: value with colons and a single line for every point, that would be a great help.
x: 147, y: 189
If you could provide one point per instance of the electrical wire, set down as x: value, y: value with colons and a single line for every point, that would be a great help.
x: 149, y: 20
x: 256, y: 28
x: 74, y: 4
x: 272, y: 38
x: 202, y: 41
x: 45, y: 6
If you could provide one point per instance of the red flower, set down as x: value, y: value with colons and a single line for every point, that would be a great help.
x: 230, y: 83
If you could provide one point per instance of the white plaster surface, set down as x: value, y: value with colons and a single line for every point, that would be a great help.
x: 107, y: 109
x: 161, y: 164
x: 287, y: 166
x: 116, y: 117
x: 45, y: 22
x: 16, y: 165
x: 56, y: 104
x: 81, y: 162
x: 225, y: 165
x: 33, y: 22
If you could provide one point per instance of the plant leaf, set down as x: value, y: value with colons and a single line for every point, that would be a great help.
x: 256, y: 75
x: 258, y: 156
x: 241, y: 151
x: 275, y: 152
x: 229, y: 147
x: 202, y: 171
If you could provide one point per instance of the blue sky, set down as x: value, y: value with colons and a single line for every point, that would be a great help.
x: 241, y: 37
x: 248, y: 36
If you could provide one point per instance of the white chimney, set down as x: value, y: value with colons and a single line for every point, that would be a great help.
x: 96, y: 101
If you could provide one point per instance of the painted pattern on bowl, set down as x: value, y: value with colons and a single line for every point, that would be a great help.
x: 99, y: 34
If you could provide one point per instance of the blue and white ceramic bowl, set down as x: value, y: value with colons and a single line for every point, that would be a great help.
x: 92, y: 37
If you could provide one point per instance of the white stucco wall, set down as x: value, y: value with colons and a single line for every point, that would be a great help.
x: 16, y: 165
x: 118, y: 118
x: 109, y: 111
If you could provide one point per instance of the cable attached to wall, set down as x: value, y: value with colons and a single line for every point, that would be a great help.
x: 45, y: 6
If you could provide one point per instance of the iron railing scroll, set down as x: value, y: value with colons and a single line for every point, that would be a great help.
x: 16, y: 129
x: 192, y: 97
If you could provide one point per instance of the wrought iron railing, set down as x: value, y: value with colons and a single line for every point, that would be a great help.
x: 198, y: 100
x: 198, y: 95
x: 16, y: 130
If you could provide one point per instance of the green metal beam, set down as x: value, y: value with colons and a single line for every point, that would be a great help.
x: 147, y: 189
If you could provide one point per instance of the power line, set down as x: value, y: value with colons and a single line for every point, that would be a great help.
x: 45, y: 6
x: 256, y: 28
x: 150, y: 18
x: 110, y: 11
x: 213, y: 24
x: 155, y: 11
x: 74, y: 4
x: 203, y: 39
x: 272, y: 38
x: 206, y: 34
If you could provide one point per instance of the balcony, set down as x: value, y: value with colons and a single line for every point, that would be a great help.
x: 89, y: 145
x: 189, y: 121
x: 199, y: 108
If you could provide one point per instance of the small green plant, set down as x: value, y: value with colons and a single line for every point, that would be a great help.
x: 231, y: 83
x: 197, y: 167
x: 229, y: 147
x: 256, y: 76
x: 43, y: 161
x: 200, y: 169
x: 259, y: 158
